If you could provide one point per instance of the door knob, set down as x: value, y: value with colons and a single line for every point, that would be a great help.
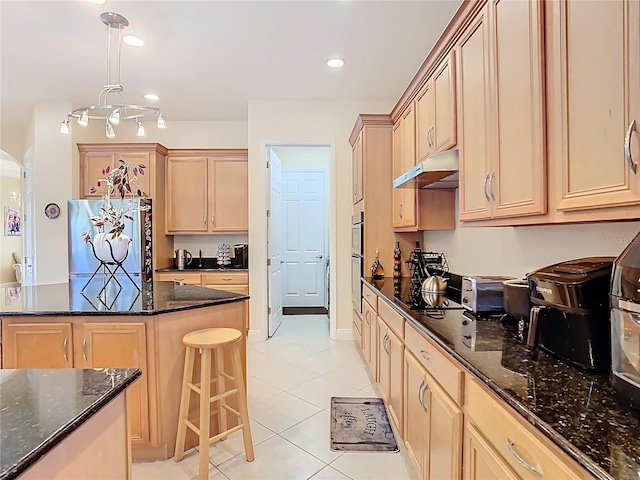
x: 319, y: 256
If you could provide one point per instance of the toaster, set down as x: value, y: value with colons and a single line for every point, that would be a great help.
x: 483, y: 294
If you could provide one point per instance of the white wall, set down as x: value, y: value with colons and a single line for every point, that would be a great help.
x: 12, y: 141
x: 304, y: 121
x: 516, y: 251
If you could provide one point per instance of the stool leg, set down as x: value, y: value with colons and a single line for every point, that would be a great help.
x: 205, y: 412
x: 242, y: 403
x: 187, y: 377
x: 222, y: 412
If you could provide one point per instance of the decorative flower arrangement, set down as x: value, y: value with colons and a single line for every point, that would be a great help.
x: 119, y: 182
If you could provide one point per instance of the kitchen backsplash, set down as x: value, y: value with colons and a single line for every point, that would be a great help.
x: 207, y: 243
x: 516, y: 251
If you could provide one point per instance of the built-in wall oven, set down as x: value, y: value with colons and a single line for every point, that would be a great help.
x: 357, y: 245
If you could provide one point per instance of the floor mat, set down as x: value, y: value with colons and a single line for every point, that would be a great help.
x: 360, y: 424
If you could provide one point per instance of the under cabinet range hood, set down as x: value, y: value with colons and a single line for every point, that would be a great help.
x: 437, y: 171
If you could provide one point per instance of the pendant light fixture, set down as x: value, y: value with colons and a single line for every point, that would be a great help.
x: 111, y: 107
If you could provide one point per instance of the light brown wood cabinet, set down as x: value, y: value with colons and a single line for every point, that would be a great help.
x: 229, y: 281
x: 481, y: 461
x: 390, y: 367
x: 85, y: 345
x: 404, y: 157
x: 207, y: 192
x: 436, y: 112
x: 595, y: 100
x: 502, y: 153
x: 357, y: 165
x: 370, y: 337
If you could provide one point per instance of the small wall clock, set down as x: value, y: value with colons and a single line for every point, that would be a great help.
x: 52, y: 210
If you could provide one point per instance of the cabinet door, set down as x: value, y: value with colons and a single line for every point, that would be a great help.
x: 473, y: 119
x: 143, y: 182
x: 481, y: 461
x: 425, y: 112
x: 229, y: 196
x: 445, y: 434
x: 92, y: 164
x: 119, y: 345
x: 396, y: 386
x: 384, y: 361
x: 370, y: 337
x: 416, y: 420
x: 398, y: 166
x: 600, y: 98
x: 518, y: 182
x: 187, y: 196
x: 37, y: 345
x: 443, y: 135
x: 357, y: 159
x: 404, y: 199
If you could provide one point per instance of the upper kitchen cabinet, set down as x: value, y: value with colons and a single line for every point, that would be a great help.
x: 404, y: 158
x: 436, y: 111
x: 502, y: 147
x: 95, y: 157
x: 594, y: 108
x: 207, y: 191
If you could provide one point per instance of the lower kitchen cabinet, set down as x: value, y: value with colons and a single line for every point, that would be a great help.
x: 119, y: 345
x: 37, y: 345
x: 237, y: 282
x: 433, y: 424
x: 369, y: 337
x: 390, y: 368
x: 481, y: 462
x: 180, y: 277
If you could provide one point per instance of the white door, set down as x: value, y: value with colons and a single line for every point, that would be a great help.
x: 305, y: 237
x: 275, y: 231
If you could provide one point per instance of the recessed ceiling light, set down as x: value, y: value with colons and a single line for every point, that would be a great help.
x: 335, y: 62
x: 151, y: 96
x: 133, y: 40
x: 96, y: 2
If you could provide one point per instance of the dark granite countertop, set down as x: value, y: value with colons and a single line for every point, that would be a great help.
x: 68, y: 298
x: 577, y: 410
x: 202, y: 269
x: 40, y: 408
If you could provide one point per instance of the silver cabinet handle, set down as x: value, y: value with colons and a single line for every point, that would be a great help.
x: 400, y: 211
x: 424, y: 355
x: 627, y: 147
x: 227, y: 279
x: 493, y: 175
x: 512, y: 448
x: 64, y: 349
x: 424, y: 390
x: 384, y: 343
x: 486, y: 180
x: 204, y: 220
x: 84, y: 349
x: 213, y: 219
x: 420, y: 396
x: 432, y: 140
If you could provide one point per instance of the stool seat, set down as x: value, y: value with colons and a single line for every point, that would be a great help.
x: 211, y: 344
x: 212, y: 337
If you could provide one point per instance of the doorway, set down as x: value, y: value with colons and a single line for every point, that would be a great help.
x: 298, y: 232
x: 13, y: 220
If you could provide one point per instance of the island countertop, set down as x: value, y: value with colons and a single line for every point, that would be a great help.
x: 66, y: 299
x: 575, y: 409
x: 40, y: 408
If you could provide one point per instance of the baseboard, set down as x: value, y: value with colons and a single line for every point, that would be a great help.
x: 345, y: 334
x: 255, y: 336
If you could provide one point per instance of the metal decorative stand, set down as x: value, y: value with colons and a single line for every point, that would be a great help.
x: 109, y: 272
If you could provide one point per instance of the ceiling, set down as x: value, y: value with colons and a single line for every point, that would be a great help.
x: 206, y: 59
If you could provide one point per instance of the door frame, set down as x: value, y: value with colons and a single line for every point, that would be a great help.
x: 331, y: 230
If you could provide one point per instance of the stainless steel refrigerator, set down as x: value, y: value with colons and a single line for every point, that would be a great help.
x: 82, y: 261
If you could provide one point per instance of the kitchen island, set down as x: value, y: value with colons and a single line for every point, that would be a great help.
x: 59, y: 326
x: 64, y: 424
x: 576, y: 411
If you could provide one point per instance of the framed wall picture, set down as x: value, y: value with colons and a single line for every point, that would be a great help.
x: 12, y: 222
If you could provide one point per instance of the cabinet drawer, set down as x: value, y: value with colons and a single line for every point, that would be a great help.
x: 241, y: 289
x: 393, y: 319
x: 445, y: 372
x: 370, y: 296
x: 512, y: 438
x: 226, y: 278
x: 189, y: 278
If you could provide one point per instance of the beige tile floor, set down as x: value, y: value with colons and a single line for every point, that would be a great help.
x: 291, y: 379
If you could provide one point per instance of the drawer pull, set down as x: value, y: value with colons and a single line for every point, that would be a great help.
x: 512, y: 448
x: 227, y: 279
x: 64, y: 349
x: 424, y: 355
x: 84, y: 349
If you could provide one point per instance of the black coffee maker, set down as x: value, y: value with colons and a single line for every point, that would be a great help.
x: 240, y: 256
x: 570, y: 313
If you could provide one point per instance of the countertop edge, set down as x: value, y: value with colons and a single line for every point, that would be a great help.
x: 531, y: 418
x: 35, y: 455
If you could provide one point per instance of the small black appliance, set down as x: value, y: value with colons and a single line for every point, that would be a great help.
x: 625, y: 325
x: 240, y: 256
x: 570, y: 313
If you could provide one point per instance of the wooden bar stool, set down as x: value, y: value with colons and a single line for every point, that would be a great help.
x: 207, y: 340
